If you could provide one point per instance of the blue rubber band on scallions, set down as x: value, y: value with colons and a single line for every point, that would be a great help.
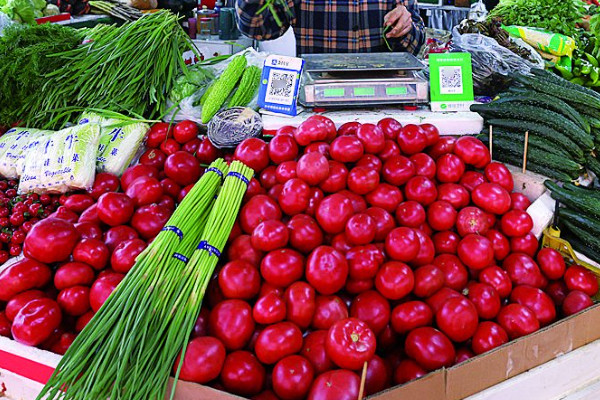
x: 175, y: 229
x: 240, y: 177
x: 216, y: 171
x: 212, y: 250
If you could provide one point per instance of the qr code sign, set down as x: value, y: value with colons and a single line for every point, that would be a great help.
x: 280, y: 88
x: 451, y: 80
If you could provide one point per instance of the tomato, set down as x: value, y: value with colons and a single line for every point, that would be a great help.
x: 185, y: 131
x: 476, y: 251
x: 314, y: 129
x: 472, y: 220
x: 457, y: 318
x: 115, y: 208
x: 428, y: 280
x: 130, y: 175
x: 184, y: 192
x: 62, y: 212
x: 440, y: 297
x: 385, y: 196
x: 206, y: 152
x: 384, y: 222
x: 242, y: 374
x: 450, y: 168
x: 36, y: 321
x: 362, y: 180
x: 300, y: 304
x: 421, y: 189
x: 231, y: 322
x: 183, y: 168
x: 286, y: 171
x: 282, y: 267
x: 348, y: 129
x: 102, y: 288
x: 329, y: 310
x: 201, y: 325
x: 333, y: 213
x: 64, y: 342
x: 485, y: 298
x: 285, y: 131
x: 373, y: 309
x: 445, y: 242
x: 260, y: 208
x: 191, y: 146
x: 488, y: 336
x: 340, y: 384
x: 537, y: 301
x: 305, y: 234
x: 372, y: 138
x: 370, y: 161
x: 149, y: 220
x: 407, y: 371
x: 239, y: 280
x: 356, y: 286
x: 491, y: 197
x: 498, y: 279
x: 426, y: 248
x: 522, y: 270
x: 551, y: 263
x: 410, y: 214
x: 516, y: 223
x: 454, y: 272
x: 203, y: 361
x: 292, y: 377
x: 463, y: 354
x: 364, y: 261
x: 170, y: 146
x: 350, y: 343
x: 527, y: 244
x: 431, y: 132
x: 254, y: 153
x: 360, y: 229
x: 90, y: 215
x: 316, y: 197
x: 92, y: 252
x: 390, y: 128
x: 576, y: 301
x: 104, y: 183
x: 472, y: 151
x: 75, y: 300
x: 278, y: 341
x: 336, y: 180
x: 78, y: 202
x: 430, y: 348
x: 312, y: 168
x: 19, y: 301
x: 412, y: 139
x: 270, y: 235
x: 402, y: 244
x: 153, y: 158
x: 579, y: 278
x: 500, y: 244
x: 454, y: 194
x: 326, y: 270
x: 157, y: 134
x: 496, y: 172
x: 398, y: 170
x: 115, y: 235
x: 517, y: 320
x: 471, y: 180
x: 441, y: 216
x: 390, y: 150
x: 557, y: 290
x: 444, y: 145
x: 411, y: 315
x: 346, y: 149
x: 21, y: 276
x: 519, y: 201
x: 269, y: 309
x: 73, y: 274
x: 378, y: 376
x: 170, y: 188
x: 424, y: 165
x: 268, y: 179
x: 51, y: 240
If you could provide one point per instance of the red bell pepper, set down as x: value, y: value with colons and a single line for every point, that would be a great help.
x: 36, y: 321
x: 23, y: 275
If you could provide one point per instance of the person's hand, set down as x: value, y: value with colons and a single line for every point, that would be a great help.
x: 400, y: 21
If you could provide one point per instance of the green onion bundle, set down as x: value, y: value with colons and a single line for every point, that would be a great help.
x: 130, y: 68
x: 105, y: 359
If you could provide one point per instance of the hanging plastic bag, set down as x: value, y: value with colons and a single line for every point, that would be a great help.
x: 478, y: 12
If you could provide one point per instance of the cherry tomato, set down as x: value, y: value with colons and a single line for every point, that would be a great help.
x: 430, y: 348
x: 537, y: 301
x: 576, y: 301
x: 411, y: 315
x: 350, y: 342
x: 305, y: 234
x: 243, y: 374
x: 517, y: 320
x: 346, y: 149
x: 326, y: 270
x: 551, y: 263
x: 231, y: 322
x: 579, y: 278
x: 476, y: 251
x: 292, y: 377
x: 340, y: 384
x: 203, y: 361
x: 488, y: 336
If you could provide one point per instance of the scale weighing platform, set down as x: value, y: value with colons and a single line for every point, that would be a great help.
x: 362, y: 80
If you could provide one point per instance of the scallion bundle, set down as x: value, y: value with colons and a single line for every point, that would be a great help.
x: 105, y: 359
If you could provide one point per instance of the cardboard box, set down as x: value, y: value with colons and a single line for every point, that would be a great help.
x: 23, y: 369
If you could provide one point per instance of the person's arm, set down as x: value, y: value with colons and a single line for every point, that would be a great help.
x: 262, y: 26
x: 407, y: 32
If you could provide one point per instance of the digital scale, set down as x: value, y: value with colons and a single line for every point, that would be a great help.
x: 362, y: 80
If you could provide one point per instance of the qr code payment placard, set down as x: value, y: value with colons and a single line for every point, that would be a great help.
x: 451, y: 80
x: 280, y: 88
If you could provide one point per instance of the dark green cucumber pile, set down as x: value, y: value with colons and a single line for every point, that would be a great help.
x: 579, y: 216
x: 562, y: 118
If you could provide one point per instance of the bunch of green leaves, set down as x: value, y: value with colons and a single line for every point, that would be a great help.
x: 551, y: 15
x: 24, y: 61
x: 197, y: 79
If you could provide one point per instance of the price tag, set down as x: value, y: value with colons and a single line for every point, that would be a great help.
x: 279, y: 84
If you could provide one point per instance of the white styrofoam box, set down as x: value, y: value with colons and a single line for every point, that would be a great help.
x: 448, y: 123
x: 529, y: 183
x: 542, y: 213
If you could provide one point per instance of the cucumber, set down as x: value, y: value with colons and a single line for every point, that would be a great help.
x: 593, y: 164
x: 586, y: 238
x: 543, y: 74
x: 590, y: 114
x: 575, y: 218
x: 537, y: 142
x: 511, y: 159
x: 541, y: 130
x: 535, y: 155
x: 590, y: 207
x: 578, y: 245
x: 543, y: 100
x: 582, y: 191
x: 563, y: 91
x: 536, y: 114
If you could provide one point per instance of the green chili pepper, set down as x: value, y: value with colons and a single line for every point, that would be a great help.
x: 591, y: 59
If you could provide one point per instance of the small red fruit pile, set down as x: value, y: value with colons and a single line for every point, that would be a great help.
x: 373, y: 243
x: 76, y: 257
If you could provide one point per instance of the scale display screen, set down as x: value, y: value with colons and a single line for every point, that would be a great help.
x: 333, y: 92
x: 364, y: 91
x: 394, y: 91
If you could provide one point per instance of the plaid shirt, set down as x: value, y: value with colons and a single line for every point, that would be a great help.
x: 332, y: 26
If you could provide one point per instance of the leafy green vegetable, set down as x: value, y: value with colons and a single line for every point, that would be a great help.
x: 19, y: 10
x: 552, y: 15
x: 195, y: 79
